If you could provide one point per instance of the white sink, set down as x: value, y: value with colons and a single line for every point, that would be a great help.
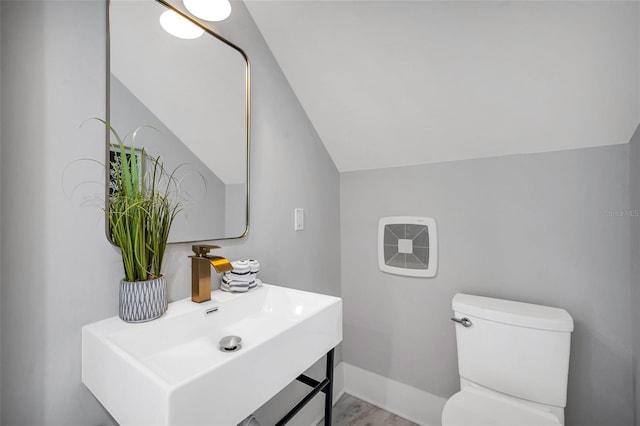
x: 171, y: 371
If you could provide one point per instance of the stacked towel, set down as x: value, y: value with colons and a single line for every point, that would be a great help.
x: 242, y: 278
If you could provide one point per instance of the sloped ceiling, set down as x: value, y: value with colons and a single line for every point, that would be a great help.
x: 393, y: 83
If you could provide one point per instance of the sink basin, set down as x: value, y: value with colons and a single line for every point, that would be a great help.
x: 171, y: 371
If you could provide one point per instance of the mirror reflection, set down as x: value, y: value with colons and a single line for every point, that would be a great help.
x: 194, y: 95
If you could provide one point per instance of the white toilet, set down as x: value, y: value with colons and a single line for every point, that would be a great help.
x: 513, y: 360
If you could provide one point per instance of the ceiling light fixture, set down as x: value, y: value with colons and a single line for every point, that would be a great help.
x: 209, y: 10
x: 179, y: 26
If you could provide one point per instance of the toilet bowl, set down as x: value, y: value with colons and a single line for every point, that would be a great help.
x: 472, y: 407
x: 513, y: 360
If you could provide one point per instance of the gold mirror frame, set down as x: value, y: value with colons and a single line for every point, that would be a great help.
x: 247, y: 117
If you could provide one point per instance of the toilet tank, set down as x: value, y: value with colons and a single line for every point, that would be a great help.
x: 519, y: 349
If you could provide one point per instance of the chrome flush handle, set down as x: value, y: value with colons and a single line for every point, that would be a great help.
x: 464, y: 321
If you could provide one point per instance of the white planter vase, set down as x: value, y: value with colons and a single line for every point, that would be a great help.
x: 142, y: 301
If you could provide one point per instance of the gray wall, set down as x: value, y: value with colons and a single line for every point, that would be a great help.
x: 289, y: 168
x: 634, y: 209
x: 59, y: 273
x: 532, y: 228
x: 0, y: 209
x: 52, y: 80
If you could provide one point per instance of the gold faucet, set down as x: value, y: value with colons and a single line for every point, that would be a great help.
x: 201, y: 271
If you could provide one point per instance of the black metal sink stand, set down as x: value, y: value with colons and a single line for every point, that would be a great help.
x: 325, y: 386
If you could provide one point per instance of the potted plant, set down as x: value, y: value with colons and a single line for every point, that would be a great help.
x: 140, y: 212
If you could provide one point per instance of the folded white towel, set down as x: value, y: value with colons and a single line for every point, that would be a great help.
x: 241, y: 267
x: 235, y: 284
x: 243, y: 276
x: 254, y: 265
x: 227, y: 277
x: 233, y: 289
x: 242, y: 287
x: 236, y: 277
x: 230, y: 281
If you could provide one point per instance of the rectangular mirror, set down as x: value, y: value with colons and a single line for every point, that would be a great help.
x: 194, y: 95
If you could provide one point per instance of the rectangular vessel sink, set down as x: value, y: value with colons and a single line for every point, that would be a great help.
x: 170, y: 371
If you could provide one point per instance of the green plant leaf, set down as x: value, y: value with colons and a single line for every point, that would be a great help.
x: 139, y: 212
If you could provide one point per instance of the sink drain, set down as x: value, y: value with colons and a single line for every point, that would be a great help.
x: 230, y: 344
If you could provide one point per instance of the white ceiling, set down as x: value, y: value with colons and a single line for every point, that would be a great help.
x: 393, y: 83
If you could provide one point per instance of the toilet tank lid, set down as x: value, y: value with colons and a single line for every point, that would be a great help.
x: 514, y: 313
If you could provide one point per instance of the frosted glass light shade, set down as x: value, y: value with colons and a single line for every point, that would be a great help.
x: 178, y: 26
x: 209, y: 10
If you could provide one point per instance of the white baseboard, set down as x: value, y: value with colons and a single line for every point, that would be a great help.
x: 413, y: 404
x: 398, y: 398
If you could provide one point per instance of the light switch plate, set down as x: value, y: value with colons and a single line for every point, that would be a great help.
x: 298, y: 223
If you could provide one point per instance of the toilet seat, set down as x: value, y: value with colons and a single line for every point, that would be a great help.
x: 474, y: 407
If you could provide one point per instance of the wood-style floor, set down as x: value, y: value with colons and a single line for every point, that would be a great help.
x: 351, y: 411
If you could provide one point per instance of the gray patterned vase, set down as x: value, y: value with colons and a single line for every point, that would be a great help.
x: 142, y: 301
